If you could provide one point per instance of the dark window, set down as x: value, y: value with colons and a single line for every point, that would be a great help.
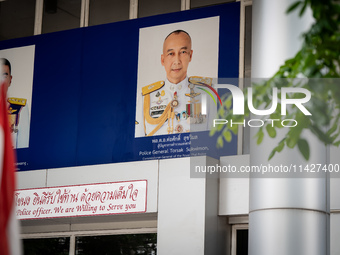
x: 154, y: 7
x: 106, y: 11
x: 16, y: 18
x: 60, y: 15
x: 117, y: 244
x: 201, y: 3
x: 242, y: 242
x: 50, y: 246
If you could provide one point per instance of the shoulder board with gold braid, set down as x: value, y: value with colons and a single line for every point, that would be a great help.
x: 152, y: 87
x: 17, y: 101
x: 198, y: 80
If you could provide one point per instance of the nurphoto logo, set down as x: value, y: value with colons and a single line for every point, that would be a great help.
x: 238, y: 106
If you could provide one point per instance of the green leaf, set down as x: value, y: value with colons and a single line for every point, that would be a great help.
x: 271, y: 131
x: 260, y: 136
x: 221, y: 112
x: 320, y: 134
x: 291, y: 142
x: 220, y: 142
x: 304, y: 148
x: 293, y: 6
x: 280, y: 147
x: 334, y: 127
x: 228, y: 102
x: 227, y: 136
x: 303, y: 9
x: 220, y: 127
x: 271, y: 154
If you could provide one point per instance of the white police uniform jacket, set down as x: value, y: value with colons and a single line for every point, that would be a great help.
x: 175, y: 108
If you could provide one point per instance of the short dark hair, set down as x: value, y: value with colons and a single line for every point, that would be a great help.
x: 5, y: 62
x: 176, y: 32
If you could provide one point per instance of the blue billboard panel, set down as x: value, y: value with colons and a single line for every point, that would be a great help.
x: 114, y: 93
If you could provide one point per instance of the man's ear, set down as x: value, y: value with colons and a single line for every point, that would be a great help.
x: 162, y: 60
x: 191, y: 55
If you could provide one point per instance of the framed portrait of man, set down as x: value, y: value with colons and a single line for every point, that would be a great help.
x: 175, y: 62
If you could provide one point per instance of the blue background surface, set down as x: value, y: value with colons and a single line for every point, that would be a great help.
x: 84, y: 90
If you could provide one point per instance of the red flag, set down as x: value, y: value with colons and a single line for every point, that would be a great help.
x: 7, y: 176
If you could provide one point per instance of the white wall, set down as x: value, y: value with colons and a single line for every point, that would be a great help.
x: 182, y: 208
x: 145, y: 170
x: 95, y: 174
x: 187, y: 210
x: 234, y: 192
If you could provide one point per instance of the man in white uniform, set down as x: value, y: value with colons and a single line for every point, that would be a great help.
x: 175, y: 105
x: 17, y: 110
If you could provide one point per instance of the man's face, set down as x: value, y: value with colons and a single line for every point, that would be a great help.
x: 6, y: 77
x: 177, y: 54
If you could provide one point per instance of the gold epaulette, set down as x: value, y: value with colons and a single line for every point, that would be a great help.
x: 198, y: 80
x: 17, y: 101
x: 152, y: 87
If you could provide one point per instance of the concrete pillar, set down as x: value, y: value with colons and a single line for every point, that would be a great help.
x: 334, y: 204
x: 188, y: 221
x: 287, y: 216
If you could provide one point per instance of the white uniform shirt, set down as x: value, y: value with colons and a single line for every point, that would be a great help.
x: 188, y: 113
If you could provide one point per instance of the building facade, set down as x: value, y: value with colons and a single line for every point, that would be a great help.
x: 176, y: 211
